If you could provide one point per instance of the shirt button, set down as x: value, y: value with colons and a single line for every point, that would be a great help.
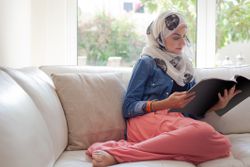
x: 172, y: 80
x: 153, y: 84
x: 167, y: 93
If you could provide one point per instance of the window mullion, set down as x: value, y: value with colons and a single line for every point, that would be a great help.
x: 206, y: 19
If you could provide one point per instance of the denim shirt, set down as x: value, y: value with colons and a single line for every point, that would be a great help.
x: 148, y: 82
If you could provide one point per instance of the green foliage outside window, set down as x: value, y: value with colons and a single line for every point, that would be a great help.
x: 233, y: 21
x: 105, y: 37
x: 233, y: 18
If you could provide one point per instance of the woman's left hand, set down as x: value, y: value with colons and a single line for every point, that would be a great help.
x: 223, y: 100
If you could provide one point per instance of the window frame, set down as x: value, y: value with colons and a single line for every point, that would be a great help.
x: 206, y: 31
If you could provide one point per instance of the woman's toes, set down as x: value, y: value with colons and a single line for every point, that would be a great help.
x: 102, y: 159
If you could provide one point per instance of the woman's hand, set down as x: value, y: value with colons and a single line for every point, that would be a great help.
x: 177, y: 100
x: 224, y: 100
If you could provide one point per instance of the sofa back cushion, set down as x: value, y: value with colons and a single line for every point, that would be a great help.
x: 237, y: 119
x: 41, y: 89
x: 93, y: 107
x: 25, y: 140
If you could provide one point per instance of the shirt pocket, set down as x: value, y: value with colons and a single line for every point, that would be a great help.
x: 157, y: 84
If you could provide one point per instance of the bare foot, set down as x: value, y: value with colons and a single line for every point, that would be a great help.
x: 102, y: 158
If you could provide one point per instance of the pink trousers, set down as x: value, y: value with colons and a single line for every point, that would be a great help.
x: 167, y: 136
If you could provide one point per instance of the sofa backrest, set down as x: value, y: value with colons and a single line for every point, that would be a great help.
x: 125, y: 72
x: 41, y: 90
x: 234, y: 121
x: 25, y: 139
x: 222, y: 72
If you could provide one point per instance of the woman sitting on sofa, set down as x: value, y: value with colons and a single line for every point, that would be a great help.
x: 160, y: 80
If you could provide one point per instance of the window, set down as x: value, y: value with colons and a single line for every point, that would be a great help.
x: 127, y: 6
x: 222, y: 38
x: 232, y: 32
x: 112, y: 32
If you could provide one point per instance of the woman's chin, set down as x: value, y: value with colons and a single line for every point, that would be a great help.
x: 178, y: 52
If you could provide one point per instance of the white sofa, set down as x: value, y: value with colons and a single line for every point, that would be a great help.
x: 35, y: 130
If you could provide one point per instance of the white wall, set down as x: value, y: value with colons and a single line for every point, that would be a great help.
x: 15, y: 33
x: 53, y: 29
x: 38, y: 32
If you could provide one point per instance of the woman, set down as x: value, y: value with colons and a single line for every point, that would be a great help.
x: 159, y: 82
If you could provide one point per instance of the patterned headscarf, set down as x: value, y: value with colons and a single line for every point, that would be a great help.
x: 178, y: 67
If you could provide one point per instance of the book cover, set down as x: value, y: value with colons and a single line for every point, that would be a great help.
x: 206, y: 95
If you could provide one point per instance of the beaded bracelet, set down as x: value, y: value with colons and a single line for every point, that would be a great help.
x: 149, y: 106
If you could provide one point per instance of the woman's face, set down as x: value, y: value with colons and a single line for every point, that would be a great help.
x: 177, y: 40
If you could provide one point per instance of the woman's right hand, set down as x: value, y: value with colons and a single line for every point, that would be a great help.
x: 179, y: 99
x: 175, y: 100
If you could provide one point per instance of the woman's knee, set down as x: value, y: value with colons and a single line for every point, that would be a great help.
x: 204, y: 129
x: 208, y: 133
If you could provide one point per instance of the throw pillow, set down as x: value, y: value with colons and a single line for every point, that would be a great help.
x: 93, y: 107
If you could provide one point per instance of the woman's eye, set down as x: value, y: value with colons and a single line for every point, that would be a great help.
x: 176, y: 38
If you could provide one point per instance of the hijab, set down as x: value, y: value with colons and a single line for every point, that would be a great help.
x: 177, y: 66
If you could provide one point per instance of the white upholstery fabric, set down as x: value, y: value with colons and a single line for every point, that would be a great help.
x: 79, y: 158
x: 124, y: 71
x: 241, y: 147
x: 40, y: 89
x: 223, y: 72
x: 24, y: 137
x: 223, y: 162
x: 240, y: 157
x: 73, y: 159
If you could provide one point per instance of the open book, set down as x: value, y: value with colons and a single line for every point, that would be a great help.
x: 206, y: 95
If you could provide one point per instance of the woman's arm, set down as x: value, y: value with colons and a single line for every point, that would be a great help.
x: 133, y: 104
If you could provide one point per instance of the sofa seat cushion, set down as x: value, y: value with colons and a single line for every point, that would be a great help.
x: 79, y: 158
x: 240, y: 156
x: 223, y: 162
x: 241, y: 147
x: 93, y: 107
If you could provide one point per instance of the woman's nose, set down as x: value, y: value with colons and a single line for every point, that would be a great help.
x: 183, y: 42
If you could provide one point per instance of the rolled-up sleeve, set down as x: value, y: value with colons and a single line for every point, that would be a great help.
x: 133, y: 104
